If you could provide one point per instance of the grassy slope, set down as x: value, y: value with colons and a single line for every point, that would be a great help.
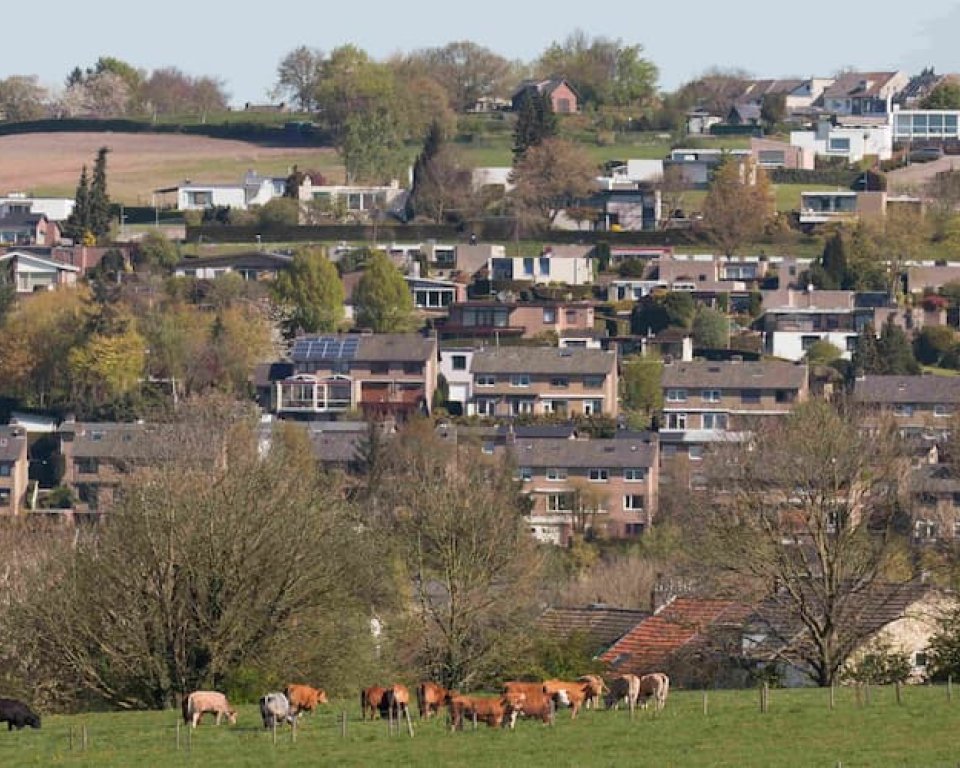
x: 799, y: 730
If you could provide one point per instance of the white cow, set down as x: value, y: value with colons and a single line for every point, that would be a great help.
x: 200, y: 702
x: 656, y: 685
x: 275, y: 708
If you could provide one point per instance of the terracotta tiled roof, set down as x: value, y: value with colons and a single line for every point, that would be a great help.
x: 601, y: 625
x: 647, y: 647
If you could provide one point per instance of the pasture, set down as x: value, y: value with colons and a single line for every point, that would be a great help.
x: 799, y: 729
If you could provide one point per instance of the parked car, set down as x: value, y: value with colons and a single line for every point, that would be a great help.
x: 926, y: 154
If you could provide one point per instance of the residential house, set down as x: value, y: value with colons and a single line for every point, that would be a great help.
x: 920, y: 405
x: 521, y: 381
x: 798, y: 94
x: 929, y: 277
x: 601, y: 487
x: 564, y: 99
x: 903, y: 617
x: 249, y: 265
x: 455, y: 365
x: 745, y: 114
x: 495, y: 320
x: 769, y: 153
x: 698, y: 165
x: 34, y: 273
x: 463, y: 261
x: 925, y: 127
x: 359, y: 200
x: 919, y: 87
x: 28, y: 229
x: 793, y: 321
x: 252, y: 191
x: 56, y: 209
x: 935, y: 488
x: 707, y: 402
x: 598, y: 625
x: 630, y: 174
x: 864, y: 93
x: 497, y: 179
x: 435, y: 296
x: 568, y: 264
x: 380, y: 374
x: 700, y: 121
x: 14, y: 470
x: 628, y: 207
x: 849, y: 143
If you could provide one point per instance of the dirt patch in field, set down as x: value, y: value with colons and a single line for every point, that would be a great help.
x: 50, y: 163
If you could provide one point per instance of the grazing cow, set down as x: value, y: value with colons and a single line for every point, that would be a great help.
x: 536, y: 704
x: 372, y: 701
x: 595, y: 689
x: 397, y: 700
x: 430, y: 697
x: 303, y: 698
x: 656, y: 685
x: 199, y: 703
x: 275, y: 708
x: 16, y: 714
x: 494, y: 712
x: 624, y: 689
x: 566, y: 694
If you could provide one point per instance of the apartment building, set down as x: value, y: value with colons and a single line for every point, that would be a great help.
x: 591, y: 487
x: 520, y: 381
x: 14, y: 468
x: 383, y: 374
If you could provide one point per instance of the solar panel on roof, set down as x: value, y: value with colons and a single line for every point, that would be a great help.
x: 326, y: 348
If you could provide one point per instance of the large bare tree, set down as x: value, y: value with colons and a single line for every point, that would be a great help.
x: 809, y: 512
x: 738, y: 206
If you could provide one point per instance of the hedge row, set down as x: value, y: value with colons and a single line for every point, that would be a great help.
x: 834, y: 177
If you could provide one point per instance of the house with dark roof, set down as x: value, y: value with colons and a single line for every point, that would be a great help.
x: 601, y: 487
x: 864, y: 93
x: 511, y: 319
x: 903, y: 617
x: 14, y: 470
x: 522, y: 381
x: 935, y: 512
x: 920, y: 405
x: 28, y: 229
x: 599, y: 625
x: 380, y: 374
x: 250, y: 265
x: 30, y: 272
x: 563, y: 97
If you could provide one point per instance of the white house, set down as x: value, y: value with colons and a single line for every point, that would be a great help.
x: 33, y: 273
x: 54, y: 208
x: 358, y: 199
x: 851, y: 143
x: 253, y: 190
x: 793, y: 321
x: 492, y: 176
x: 925, y: 124
x: 631, y: 173
x: 455, y: 365
x: 570, y: 265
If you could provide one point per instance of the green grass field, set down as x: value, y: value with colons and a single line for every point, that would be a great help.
x: 799, y: 730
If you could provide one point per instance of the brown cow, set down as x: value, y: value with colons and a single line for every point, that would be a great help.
x: 372, y: 700
x: 566, y: 694
x: 595, y: 689
x: 303, y: 698
x: 536, y: 703
x: 656, y: 685
x: 397, y: 701
x: 430, y: 697
x: 625, y: 688
x: 494, y: 712
x: 199, y: 703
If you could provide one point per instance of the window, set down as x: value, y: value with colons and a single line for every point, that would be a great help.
x: 521, y: 407
x: 920, y: 659
x: 633, y: 502
x: 413, y: 369
x: 925, y: 530
x: 676, y: 395
x: 560, y: 382
x: 634, y: 475
x: 486, y: 406
x: 571, y: 316
x: 96, y: 435
x: 4, y: 497
x: 750, y: 397
x: 528, y: 267
x: 599, y: 475
x: 486, y: 380
x: 715, y: 421
x: 556, y: 474
x: 592, y: 407
x: 380, y: 369
x: 544, y: 266
x: 555, y: 406
x: 559, y: 502
x: 676, y: 421
x: 941, y: 411
x: 711, y: 396
x: 6, y: 469
x: 520, y: 380
x: 549, y: 315
x: 593, y: 382
x: 633, y: 529
x: 459, y: 362
x: 785, y: 396
x: 838, y: 145
x: 525, y: 474
x: 807, y: 342
x: 487, y: 447
x: 695, y: 452
x: 903, y: 409
x: 86, y: 466
x: 851, y: 343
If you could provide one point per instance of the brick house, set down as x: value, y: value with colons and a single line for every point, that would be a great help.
x: 14, y: 468
x: 520, y: 381
x: 563, y: 98
x: 487, y: 319
x: 607, y: 487
x: 920, y: 405
x: 379, y: 374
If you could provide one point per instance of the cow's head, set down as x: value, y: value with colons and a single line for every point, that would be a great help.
x: 322, y: 697
x: 513, y: 701
x: 232, y: 716
x: 33, y: 720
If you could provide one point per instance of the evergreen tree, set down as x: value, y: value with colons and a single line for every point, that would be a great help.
x: 431, y: 146
x: 866, y: 357
x: 834, y: 262
x: 312, y: 290
x: 78, y: 224
x: 896, y: 353
x: 536, y: 121
x: 383, y: 301
x: 99, y: 199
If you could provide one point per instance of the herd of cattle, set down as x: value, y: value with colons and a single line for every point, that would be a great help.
x: 535, y: 700
x: 539, y: 700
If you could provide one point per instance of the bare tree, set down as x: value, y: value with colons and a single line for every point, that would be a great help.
x: 298, y: 75
x: 674, y: 186
x: 738, y: 205
x: 810, y: 513
x: 549, y: 177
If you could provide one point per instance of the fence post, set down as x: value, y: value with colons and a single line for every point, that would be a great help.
x: 189, y: 740
x: 178, y: 735
x: 704, y: 702
x: 406, y: 712
x: 949, y: 687
x: 274, y: 731
x: 84, y: 738
x: 866, y: 694
x: 859, y: 690
x: 343, y: 725
x: 833, y: 694
x: 474, y: 719
x: 899, y: 694
x: 71, y: 738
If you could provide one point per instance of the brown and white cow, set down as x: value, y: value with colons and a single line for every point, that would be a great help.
x: 536, y: 704
x: 566, y: 694
x: 595, y: 689
x: 623, y: 690
x: 430, y: 697
x: 304, y: 698
x: 372, y: 701
x: 494, y: 712
x: 199, y: 703
x: 654, y: 686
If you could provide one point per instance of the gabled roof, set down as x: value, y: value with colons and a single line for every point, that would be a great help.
x: 12, y: 444
x: 762, y: 374
x: 38, y: 261
x: 544, y: 85
x: 600, y: 625
x: 648, y: 646
x: 586, y: 454
x: 858, y: 84
x: 891, y: 390
x: 543, y: 361
x: 366, y: 348
x: 243, y: 260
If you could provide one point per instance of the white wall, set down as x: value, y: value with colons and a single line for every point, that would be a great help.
x: 460, y: 382
x: 789, y: 344
x: 873, y: 140
x: 230, y: 197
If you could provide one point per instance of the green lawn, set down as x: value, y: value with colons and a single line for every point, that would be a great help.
x: 799, y: 730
